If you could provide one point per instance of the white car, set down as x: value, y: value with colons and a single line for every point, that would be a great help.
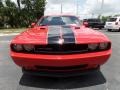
x: 113, y: 24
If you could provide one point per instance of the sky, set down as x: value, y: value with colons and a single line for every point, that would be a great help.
x: 86, y: 8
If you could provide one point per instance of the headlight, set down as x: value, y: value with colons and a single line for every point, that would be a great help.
x: 17, y: 47
x: 28, y: 47
x: 92, y: 46
x: 103, y: 46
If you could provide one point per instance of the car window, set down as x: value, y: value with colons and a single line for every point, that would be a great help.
x: 94, y: 20
x: 59, y: 20
x: 112, y: 19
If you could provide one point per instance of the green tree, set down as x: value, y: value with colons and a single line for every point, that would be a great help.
x: 22, y: 13
x: 1, y: 14
x: 116, y: 15
x: 1, y: 4
x: 19, y: 5
x: 38, y: 6
x: 105, y: 18
x: 34, y: 9
x: 10, y: 13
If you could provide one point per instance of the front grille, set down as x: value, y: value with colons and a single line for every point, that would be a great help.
x: 61, y: 49
x: 62, y: 68
x: 58, y: 49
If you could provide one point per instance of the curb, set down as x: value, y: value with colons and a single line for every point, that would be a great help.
x: 12, y: 34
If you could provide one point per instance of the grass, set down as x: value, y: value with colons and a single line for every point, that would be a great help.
x: 9, y: 31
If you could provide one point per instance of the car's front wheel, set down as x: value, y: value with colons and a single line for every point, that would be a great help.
x: 27, y: 72
x: 119, y: 30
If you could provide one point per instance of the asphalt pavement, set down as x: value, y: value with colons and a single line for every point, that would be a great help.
x: 108, y: 78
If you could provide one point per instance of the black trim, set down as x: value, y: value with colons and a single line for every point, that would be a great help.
x: 57, y: 32
x: 53, y: 34
x: 68, y: 35
x: 65, y: 68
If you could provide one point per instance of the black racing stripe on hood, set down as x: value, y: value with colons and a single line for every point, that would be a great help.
x: 68, y: 35
x: 53, y: 34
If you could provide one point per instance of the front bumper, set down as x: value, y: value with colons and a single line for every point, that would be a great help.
x: 32, y: 60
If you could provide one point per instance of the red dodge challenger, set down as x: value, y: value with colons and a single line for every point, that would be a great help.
x: 57, y: 45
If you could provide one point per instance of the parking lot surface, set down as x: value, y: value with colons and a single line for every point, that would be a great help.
x: 11, y: 77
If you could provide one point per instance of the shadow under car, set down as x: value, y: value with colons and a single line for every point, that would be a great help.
x: 87, y: 80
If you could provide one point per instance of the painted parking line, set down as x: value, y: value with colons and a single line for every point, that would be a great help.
x: 5, y: 41
x: 13, y: 34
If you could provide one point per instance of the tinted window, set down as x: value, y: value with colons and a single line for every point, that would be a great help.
x: 94, y: 20
x: 59, y: 20
x: 112, y: 19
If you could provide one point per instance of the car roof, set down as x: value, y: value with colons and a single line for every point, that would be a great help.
x: 115, y: 17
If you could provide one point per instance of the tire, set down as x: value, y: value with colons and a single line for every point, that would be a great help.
x: 119, y: 30
x: 109, y: 30
x: 26, y: 72
x: 98, y: 67
x: 23, y: 70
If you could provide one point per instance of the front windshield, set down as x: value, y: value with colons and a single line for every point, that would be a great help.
x: 59, y: 20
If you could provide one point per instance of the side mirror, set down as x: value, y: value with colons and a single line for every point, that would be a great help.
x: 32, y: 25
x: 85, y: 24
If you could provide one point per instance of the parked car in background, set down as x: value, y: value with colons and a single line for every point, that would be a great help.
x: 113, y: 24
x: 94, y: 23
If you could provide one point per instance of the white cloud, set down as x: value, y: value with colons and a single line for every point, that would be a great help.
x: 54, y: 7
x: 90, y: 7
x: 60, y: 1
x: 109, y: 6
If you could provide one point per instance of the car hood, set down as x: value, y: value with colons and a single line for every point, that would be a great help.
x: 59, y: 34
